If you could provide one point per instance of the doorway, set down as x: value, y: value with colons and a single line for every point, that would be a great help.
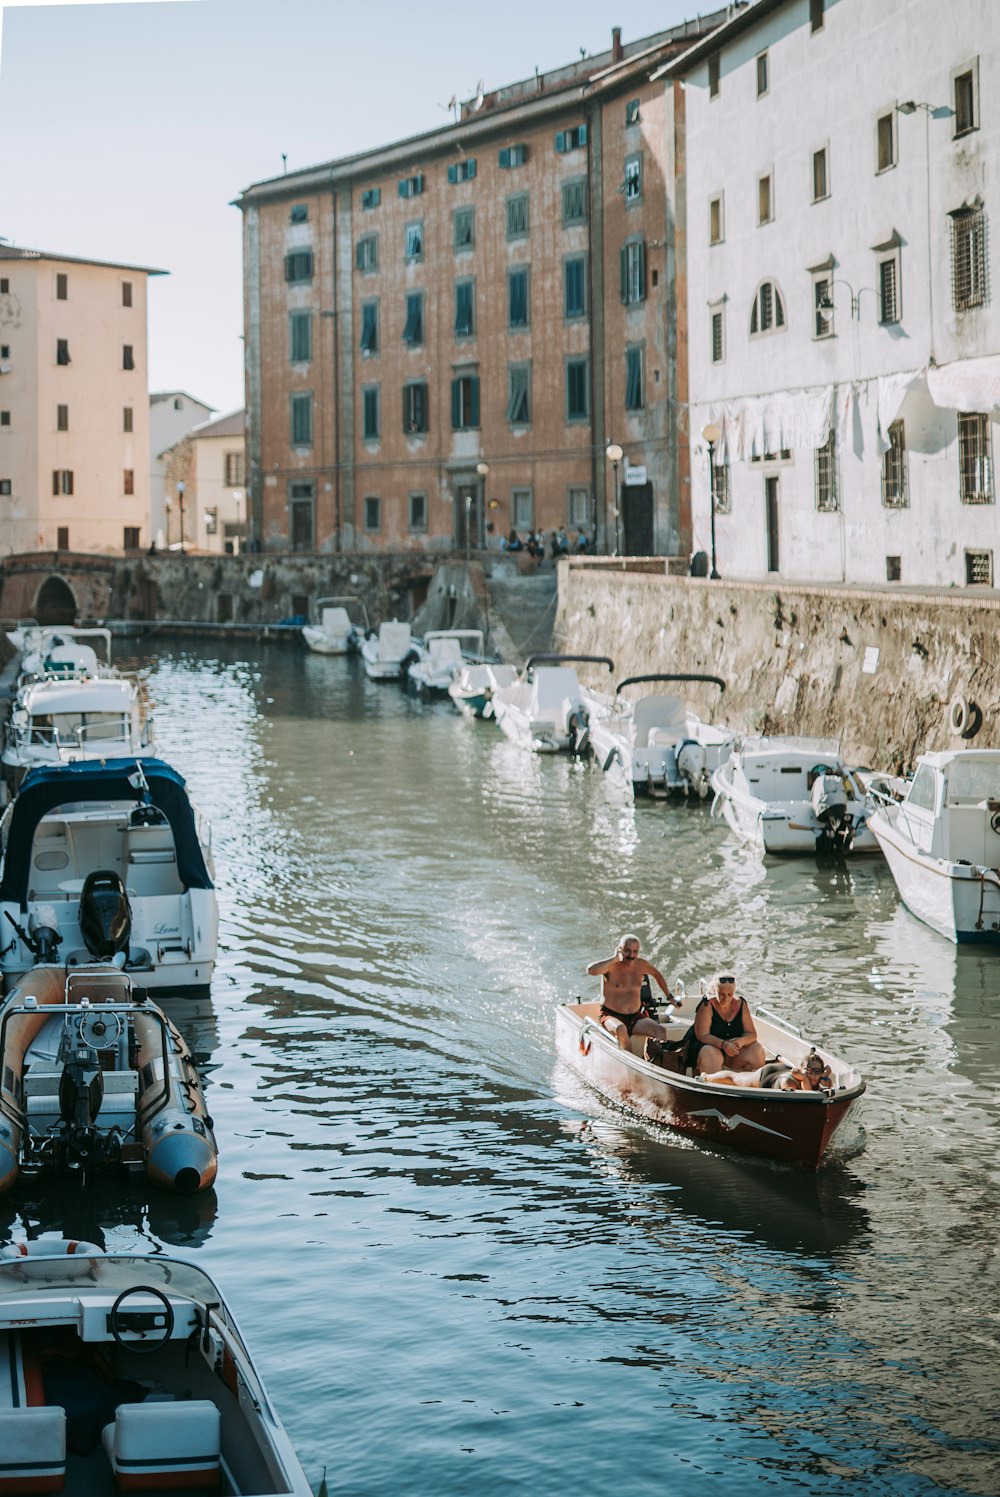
x: 771, y: 506
x: 637, y: 517
x: 302, y: 527
x: 468, y: 503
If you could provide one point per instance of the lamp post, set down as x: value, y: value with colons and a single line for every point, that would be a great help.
x: 938, y: 112
x: 167, y: 507
x: 711, y: 433
x: 180, y: 503
x: 482, y: 469
x: 238, y: 501
x: 614, y: 454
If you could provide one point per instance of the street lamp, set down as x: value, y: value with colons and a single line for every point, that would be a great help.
x: 937, y: 112
x: 238, y: 500
x: 180, y: 501
x: 614, y: 454
x: 711, y: 433
x: 483, y: 470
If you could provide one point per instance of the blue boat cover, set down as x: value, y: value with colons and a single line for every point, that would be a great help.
x: 42, y: 790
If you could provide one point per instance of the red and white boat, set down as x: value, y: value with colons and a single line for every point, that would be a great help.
x: 790, y: 1127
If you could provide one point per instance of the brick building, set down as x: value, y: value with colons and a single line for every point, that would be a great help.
x: 449, y: 331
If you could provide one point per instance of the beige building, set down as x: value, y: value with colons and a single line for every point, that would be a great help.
x: 74, y: 412
x: 172, y: 414
x: 205, y: 487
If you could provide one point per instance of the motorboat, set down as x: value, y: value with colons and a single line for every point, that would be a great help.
x: 96, y: 1078
x: 50, y: 651
x: 336, y: 633
x: 940, y: 833
x: 787, y: 1126
x: 441, y: 656
x: 472, y: 687
x: 383, y: 653
x: 127, y: 1372
x: 548, y: 710
x: 104, y: 857
x: 58, y: 721
x: 793, y: 795
x: 658, y: 745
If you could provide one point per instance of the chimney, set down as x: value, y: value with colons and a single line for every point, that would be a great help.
x: 616, y: 44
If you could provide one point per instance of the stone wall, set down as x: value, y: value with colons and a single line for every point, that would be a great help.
x: 877, y: 669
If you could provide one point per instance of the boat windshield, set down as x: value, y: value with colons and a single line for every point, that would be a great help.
x: 974, y: 780
x: 27, y: 1276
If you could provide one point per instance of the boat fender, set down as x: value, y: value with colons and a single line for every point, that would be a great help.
x: 995, y: 821
x: 586, y: 1040
x: 579, y: 730
x: 959, y: 715
x: 613, y: 757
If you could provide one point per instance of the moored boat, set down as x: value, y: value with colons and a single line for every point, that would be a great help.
x: 793, y: 795
x: 441, y: 656
x: 658, y: 745
x: 548, y: 710
x: 473, y: 687
x: 335, y: 632
x: 383, y: 653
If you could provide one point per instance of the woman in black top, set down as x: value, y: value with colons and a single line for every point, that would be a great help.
x: 724, y: 1033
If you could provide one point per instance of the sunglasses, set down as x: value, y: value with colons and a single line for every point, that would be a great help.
x: 726, y: 982
x: 815, y: 1070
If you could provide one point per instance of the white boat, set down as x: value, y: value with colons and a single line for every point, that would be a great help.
x: 128, y: 1372
x: 96, y: 1078
x: 942, y: 841
x: 336, y: 633
x: 101, y: 858
x: 658, y: 745
x: 384, y: 652
x: 61, y: 721
x: 442, y: 655
x: 547, y: 710
x: 793, y: 795
x: 473, y: 687
x: 50, y: 651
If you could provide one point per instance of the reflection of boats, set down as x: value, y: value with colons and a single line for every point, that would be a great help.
x: 443, y: 654
x: 472, y: 687
x: 658, y: 745
x: 790, y: 1127
x: 101, y: 858
x: 94, y: 1079
x: 792, y: 795
x: 128, y: 1371
x: 336, y: 633
x: 942, y: 841
x: 384, y: 652
x: 548, y: 710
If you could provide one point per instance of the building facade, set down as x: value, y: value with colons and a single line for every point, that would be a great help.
x: 205, y: 487
x: 447, y: 334
x: 844, y: 343
x: 74, y: 412
x: 172, y: 414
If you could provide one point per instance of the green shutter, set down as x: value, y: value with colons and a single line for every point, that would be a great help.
x: 504, y: 157
x: 561, y: 140
x: 581, y: 135
x: 642, y: 271
x: 474, y: 400
x: 623, y: 257
x: 470, y: 169
x: 453, y: 174
x: 455, y: 405
x: 357, y: 254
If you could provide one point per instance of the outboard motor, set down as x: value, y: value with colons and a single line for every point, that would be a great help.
x: 45, y: 933
x: 829, y: 802
x: 692, y: 767
x: 105, y: 914
x: 81, y: 1093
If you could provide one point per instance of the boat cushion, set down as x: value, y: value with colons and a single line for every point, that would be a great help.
x: 32, y: 1450
x: 160, y: 1445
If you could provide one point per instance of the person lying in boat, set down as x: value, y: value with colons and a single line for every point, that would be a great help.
x: 623, y: 1012
x: 814, y: 1075
x: 724, y: 1033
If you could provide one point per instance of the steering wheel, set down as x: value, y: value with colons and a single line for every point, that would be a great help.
x: 995, y: 821
x: 100, y: 1031
x: 116, y: 1328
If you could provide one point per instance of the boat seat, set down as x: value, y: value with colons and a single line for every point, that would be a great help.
x: 165, y: 1445
x: 662, y: 738
x: 32, y: 1450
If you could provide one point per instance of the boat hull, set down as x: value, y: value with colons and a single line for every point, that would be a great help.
x: 795, y: 831
x: 960, y: 901
x: 325, y: 644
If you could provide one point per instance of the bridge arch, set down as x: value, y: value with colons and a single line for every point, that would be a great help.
x: 55, y: 602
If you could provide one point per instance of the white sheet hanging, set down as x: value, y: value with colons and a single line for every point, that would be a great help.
x: 892, y: 391
x: 966, y: 385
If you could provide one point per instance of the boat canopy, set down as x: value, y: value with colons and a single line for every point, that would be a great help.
x: 46, y: 788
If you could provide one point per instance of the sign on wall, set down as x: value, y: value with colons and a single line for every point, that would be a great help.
x: 635, y: 475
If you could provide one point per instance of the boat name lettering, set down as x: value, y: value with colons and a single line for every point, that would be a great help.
x: 161, y: 928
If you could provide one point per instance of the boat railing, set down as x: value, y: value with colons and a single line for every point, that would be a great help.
x: 777, y: 1021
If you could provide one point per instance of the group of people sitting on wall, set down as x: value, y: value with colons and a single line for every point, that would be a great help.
x: 534, y: 543
x: 720, y: 1046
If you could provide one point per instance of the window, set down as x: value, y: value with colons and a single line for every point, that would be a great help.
x: 577, y: 393
x: 465, y: 402
x: 893, y: 568
x: 969, y: 260
x: 821, y: 176
x: 4, y: 285
x: 979, y: 568
x: 127, y: 418
x: 62, y: 350
x: 765, y: 199
x: 522, y: 509
x: 716, y: 221
x: 578, y: 508
x: 713, y: 76
x: 302, y: 420
x: 5, y: 486
x: 463, y: 222
x: 4, y: 418
x: 885, y: 141
x: 571, y: 140
x: 128, y: 357
x: 62, y: 481
x: 370, y: 199
x: 177, y: 404
x: 128, y: 481
x: 633, y: 272
x: 575, y: 286
x: 462, y: 171
x: 574, y: 202
x: 418, y: 511
x: 718, y: 336
x: 825, y: 476
x: 298, y: 266
x: 632, y: 112
x: 633, y: 179
x: 518, y: 303
x: 301, y: 516
x: 126, y: 293
x: 212, y: 528
x: 371, y: 414
x: 888, y: 289
x: 413, y: 328
x: 411, y: 187
x: 130, y: 540
x: 299, y: 213
x: 784, y: 456
x: 373, y: 512
x: 62, y: 286
x: 62, y: 537
x: 823, y: 305
x: 816, y: 8
x: 366, y: 253
x: 300, y: 337
x: 4, y: 350
x: 235, y: 470
x: 634, y: 392
x: 62, y: 418
x: 762, y: 74
x: 369, y: 327
x: 464, y: 309
x: 965, y: 94
x: 512, y: 156
x: 975, y: 459
x: 894, y: 485
x: 415, y: 407
x: 519, y: 394
x: 768, y: 312
x: 517, y: 216
x: 413, y: 246
x: 722, y: 496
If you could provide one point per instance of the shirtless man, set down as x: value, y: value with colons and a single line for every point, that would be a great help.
x: 621, y: 1008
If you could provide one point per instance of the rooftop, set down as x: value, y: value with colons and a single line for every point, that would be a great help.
x: 16, y: 252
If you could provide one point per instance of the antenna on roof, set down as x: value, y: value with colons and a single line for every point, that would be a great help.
x: 284, y: 162
x: 452, y: 104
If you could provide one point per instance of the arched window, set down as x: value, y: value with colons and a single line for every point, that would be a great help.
x: 768, y: 312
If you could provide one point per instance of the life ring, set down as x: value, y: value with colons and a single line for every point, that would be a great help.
x: 586, y: 1040
x: 68, y: 1259
x: 959, y: 716
x: 42, y: 1247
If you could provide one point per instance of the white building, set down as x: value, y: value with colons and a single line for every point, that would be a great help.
x: 172, y: 413
x: 844, y: 347
x: 205, y: 482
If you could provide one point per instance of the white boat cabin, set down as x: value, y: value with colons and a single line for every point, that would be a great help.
x: 952, y: 807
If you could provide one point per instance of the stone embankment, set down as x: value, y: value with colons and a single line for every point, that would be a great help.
x: 877, y: 669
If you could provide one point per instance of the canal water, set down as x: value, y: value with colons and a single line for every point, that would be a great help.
x: 459, y: 1269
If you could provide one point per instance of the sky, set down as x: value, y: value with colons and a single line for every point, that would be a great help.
x: 129, y: 128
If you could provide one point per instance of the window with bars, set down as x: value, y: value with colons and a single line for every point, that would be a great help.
x: 975, y: 458
x: 519, y: 394
x: 517, y: 216
x: 574, y: 202
x: 822, y: 306
x: 825, y: 476
x: 765, y: 199
x: 369, y: 327
x: 885, y: 141
x: 463, y: 228
x: 418, y: 511
x: 299, y: 337
x: 716, y: 221
x: 518, y: 302
x: 575, y: 287
x: 821, y: 175
x: 465, y: 324
x: 578, y: 508
x: 722, y: 494
x: 371, y: 413
x: 768, y: 311
x: 718, y: 336
x: 888, y: 289
x: 635, y: 395
x: 413, y: 243
x: 302, y: 420
x: 464, y: 402
x: 895, y: 489
x: 415, y: 407
x: 413, y: 328
x: 969, y: 260
x: 979, y: 568
x: 633, y: 272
